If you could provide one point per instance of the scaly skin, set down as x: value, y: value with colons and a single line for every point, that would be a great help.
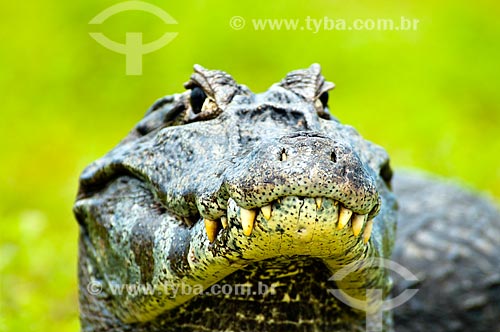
x: 221, y: 186
x: 449, y: 237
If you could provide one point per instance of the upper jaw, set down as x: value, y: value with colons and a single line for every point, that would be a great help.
x: 304, y: 164
x: 308, y: 168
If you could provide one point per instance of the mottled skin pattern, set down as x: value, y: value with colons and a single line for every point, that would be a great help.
x: 216, y: 153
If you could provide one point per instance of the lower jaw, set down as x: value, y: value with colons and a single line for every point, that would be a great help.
x: 298, y: 231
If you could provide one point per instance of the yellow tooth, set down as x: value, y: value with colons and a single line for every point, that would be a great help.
x: 266, y: 211
x: 247, y: 220
x: 357, y: 223
x: 344, y: 216
x: 319, y: 202
x: 211, y: 228
x: 368, y: 231
x: 223, y: 220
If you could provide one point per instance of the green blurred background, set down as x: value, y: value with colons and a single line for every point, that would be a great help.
x: 429, y: 96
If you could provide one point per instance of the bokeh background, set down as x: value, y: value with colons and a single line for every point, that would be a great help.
x: 429, y: 96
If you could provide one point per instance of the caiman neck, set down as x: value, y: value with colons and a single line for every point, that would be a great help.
x: 279, y: 294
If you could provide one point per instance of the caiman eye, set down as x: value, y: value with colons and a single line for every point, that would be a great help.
x: 197, y: 99
x: 324, y: 99
x: 386, y: 173
x: 321, y: 106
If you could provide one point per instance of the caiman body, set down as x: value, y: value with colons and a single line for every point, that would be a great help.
x: 219, y: 187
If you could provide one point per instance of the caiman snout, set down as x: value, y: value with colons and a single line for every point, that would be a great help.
x: 305, y: 164
x: 302, y: 185
x: 308, y: 149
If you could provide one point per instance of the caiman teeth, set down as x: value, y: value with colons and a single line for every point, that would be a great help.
x: 319, y: 202
x: 247, y: 220
x: 368, y: 231
x: 266, y: 211
x: 223, y: 221
x: 211, y: 229
x: 344, y: 216
x: 357, y: 223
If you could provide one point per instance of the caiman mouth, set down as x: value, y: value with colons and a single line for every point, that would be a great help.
x: 293, y: 221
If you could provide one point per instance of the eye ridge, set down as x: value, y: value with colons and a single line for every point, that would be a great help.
x: 197, y: 99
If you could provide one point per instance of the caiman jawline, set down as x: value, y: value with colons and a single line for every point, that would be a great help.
x: 247, y: 218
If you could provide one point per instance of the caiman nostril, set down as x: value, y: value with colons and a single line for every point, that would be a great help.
x: 283, y: 155
x: 333, y: 157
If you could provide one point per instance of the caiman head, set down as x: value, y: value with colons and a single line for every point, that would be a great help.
x: 220, y: 186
